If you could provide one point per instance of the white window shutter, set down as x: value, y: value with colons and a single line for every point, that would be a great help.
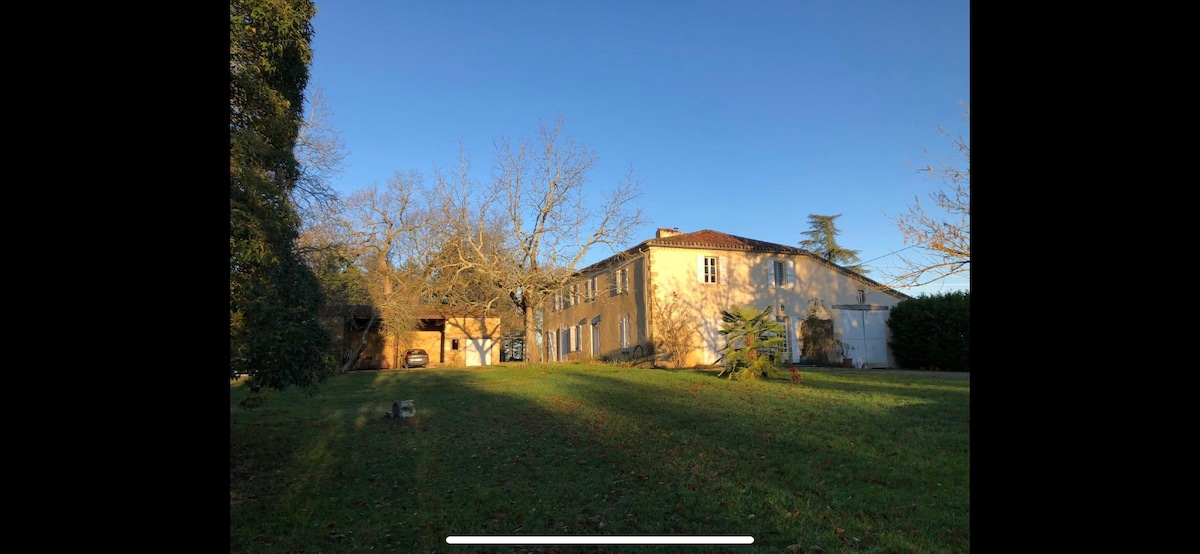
x: 722, y: 270
x: 700, y: 268
x: 770, y: 273
x: 791, y: 276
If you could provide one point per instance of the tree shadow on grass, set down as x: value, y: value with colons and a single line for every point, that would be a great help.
x: 560, y: 452
x: 772, y: 449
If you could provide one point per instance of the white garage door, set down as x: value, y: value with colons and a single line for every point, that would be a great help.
x: 712, y: 341
x: 479, y: 352
x: 865, y: 332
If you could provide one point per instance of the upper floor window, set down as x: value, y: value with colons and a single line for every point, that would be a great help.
x: 781, y: 273
x: 574, y: 299
x: 623, y: 280
x: 591, y: 290
x: 709, y: 269
x: 862, y: 296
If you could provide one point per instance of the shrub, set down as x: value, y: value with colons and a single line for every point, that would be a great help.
x: 821, y: 344
x: 932, y: 332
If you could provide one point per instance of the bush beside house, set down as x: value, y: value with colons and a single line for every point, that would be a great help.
x: 933, y: 332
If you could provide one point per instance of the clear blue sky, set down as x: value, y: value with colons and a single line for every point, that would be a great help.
x: 737, y: 116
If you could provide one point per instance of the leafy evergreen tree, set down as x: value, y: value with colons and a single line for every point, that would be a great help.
x: 275, y: 335
x: 822, y: 240
x: 932, y: 332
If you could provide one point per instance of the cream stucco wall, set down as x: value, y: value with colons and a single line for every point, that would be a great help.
x: 744, y: 279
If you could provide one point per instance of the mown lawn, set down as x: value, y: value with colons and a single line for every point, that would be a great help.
x: 840, y: 462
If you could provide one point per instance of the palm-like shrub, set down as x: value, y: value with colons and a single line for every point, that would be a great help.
x: 748, y: 334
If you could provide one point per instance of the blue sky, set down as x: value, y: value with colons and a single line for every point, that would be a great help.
x: 737, y: 116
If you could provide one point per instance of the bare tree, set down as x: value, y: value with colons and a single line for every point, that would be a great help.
x: 320, y: 154
x: 942, y: 238
x: 526, y: 231
x: 385, y: 231
x: 674, y: 328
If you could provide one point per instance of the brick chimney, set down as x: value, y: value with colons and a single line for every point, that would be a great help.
x: 664, y: 232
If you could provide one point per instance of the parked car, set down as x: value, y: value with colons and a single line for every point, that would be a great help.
x: 414, y: 358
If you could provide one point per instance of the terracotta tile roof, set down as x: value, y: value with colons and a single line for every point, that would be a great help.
x: 715, y: 239
x: 708, y: 238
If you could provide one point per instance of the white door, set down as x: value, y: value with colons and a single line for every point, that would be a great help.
x: 793, y: 346
x: 479, y: 352
x: 595, y: 340
x: 852, y: 335
x: 875, y: 336
x: 865, y: 335
x: 787, y: 351
x: 712, y: 341
x: 564, y: 346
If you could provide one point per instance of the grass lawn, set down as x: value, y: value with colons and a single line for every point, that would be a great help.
x: 841, y: 462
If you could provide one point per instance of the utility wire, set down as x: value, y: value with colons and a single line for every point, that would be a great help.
x: 896, y: 251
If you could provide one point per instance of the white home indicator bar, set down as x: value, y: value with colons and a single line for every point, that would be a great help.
x: 599, y: 539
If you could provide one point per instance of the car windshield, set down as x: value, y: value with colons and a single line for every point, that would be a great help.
x: 417, y: 352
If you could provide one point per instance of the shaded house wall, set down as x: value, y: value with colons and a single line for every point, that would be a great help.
x: 611, y: 323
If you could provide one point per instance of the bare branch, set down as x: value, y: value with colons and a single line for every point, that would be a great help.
x: 320, y: 154
x: 523, y: 234
x: 943, y: 238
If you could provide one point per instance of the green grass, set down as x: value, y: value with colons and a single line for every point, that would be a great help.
x: 840, y: 462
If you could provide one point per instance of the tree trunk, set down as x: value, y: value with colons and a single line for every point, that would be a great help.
x: 352, y: 360
x: 533, y: 354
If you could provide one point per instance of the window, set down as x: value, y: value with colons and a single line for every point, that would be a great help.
x: 624, y: 331
x: 564, y: 336
x: 781, y: 273
x: 453, y: 344
x: 591, y: 290
x: 783, y: 351
x: 574, y: 296
x: 596, y: 337
x: 708, y: 270
x: 578, y: 338
x: 558, y: 302
x: 862, y: 296
x: 623, y: 280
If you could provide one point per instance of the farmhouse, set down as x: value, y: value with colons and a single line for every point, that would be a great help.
x: 611, y: 308
x: 450, y: 338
